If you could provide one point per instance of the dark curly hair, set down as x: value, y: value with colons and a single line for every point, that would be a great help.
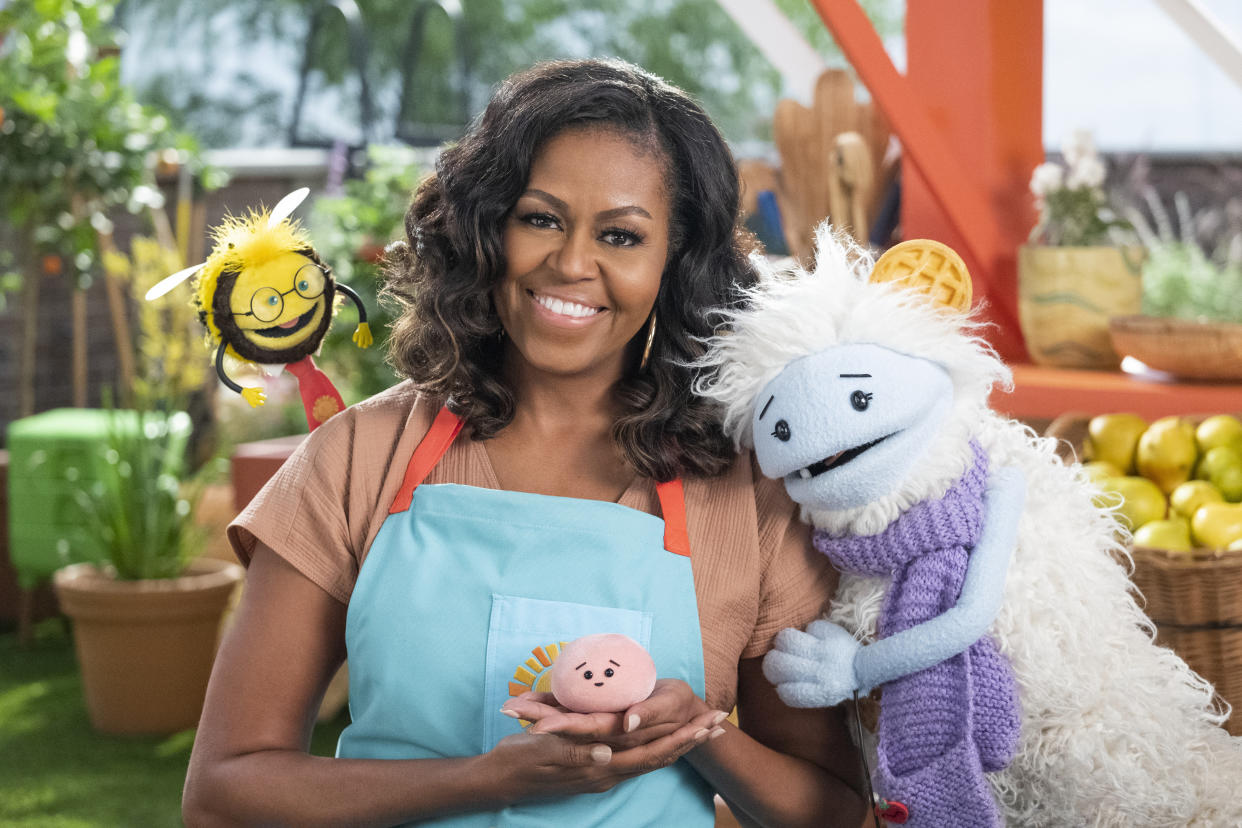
x: 448, y: 337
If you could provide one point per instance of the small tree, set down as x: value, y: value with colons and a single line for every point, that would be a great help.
x: 74, y: 144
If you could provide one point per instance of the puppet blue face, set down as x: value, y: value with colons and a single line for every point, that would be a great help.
x: 843, y: 427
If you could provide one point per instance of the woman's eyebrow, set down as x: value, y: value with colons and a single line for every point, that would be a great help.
x: 616, y: 212
x: 548, y: 197
x: 630, y: 210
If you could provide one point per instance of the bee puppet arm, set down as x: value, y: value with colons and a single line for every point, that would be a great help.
x: 253, y: 395
x: 826, y: 665
x: 362, y: 333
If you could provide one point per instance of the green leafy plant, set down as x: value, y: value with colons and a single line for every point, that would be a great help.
x: 350, y: 232
x: 1074, y: 209
x: 1185, y: 275
x: 75, y: 146
x: 73, y: 141
x: 137, y: 505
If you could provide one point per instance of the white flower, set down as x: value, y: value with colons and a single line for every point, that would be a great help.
x: 1046, y: 178
x: 1087, y: 172
x: 1079, y: 146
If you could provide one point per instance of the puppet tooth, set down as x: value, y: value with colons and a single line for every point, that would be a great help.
x: 805, y: 474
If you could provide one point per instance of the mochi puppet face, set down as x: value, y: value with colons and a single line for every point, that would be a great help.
x: 603, y: 673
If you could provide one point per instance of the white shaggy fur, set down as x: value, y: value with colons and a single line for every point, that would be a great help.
x: 1116, y: 731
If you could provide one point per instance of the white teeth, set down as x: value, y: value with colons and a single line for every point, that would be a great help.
x: 565, y: 308
x: 805, y: 474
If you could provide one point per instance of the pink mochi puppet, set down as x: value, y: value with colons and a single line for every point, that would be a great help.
x: 603, y: 673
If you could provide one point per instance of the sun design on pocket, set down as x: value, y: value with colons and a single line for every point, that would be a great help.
x: 533, y: 674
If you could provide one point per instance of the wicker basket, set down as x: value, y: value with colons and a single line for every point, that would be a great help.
x: 1200, y: 589
x: 1195, y: 599
x: 1214, y: 653
x: 1182, y: 347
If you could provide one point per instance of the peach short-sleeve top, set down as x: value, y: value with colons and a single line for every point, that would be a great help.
x: 755, y: 571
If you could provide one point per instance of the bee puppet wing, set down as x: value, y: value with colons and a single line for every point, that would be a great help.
x: 283, y: 209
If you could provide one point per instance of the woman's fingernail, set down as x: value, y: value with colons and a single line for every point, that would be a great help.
x: 509, y: 713
x: 700, y: 735
x: 600, y: 754
x: 719, y: 717
x: 719, y: 731
x: 631, y: 723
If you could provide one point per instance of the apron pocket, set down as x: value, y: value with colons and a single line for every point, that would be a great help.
x: 523, y: 638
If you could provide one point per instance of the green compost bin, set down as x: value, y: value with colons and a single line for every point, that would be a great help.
x: 52, y: 456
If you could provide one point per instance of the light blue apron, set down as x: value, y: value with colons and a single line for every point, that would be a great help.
x: 463, y: 600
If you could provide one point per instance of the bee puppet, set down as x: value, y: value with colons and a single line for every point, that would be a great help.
x: 265, y: 297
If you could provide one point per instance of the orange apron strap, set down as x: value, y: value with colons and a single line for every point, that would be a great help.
x: 673, y: 507
x: 444, y: 430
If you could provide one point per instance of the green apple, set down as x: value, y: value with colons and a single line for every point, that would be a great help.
x: 1229, y: 480
x: 1216, y: 459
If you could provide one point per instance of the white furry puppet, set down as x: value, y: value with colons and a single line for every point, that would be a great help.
x: 981, y: 589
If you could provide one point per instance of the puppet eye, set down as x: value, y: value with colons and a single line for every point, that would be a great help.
x: 588, y: 675
x: 781, y: 432
x: 609, y: 672
x: 860, y: 400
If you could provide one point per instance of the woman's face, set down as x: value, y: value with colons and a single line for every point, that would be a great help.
x: 585, y: 247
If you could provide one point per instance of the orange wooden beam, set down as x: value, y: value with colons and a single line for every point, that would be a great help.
x: 963, y: 78
x: 1049, y: 392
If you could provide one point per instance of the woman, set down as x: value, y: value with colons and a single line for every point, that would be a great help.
x: 560, y: 265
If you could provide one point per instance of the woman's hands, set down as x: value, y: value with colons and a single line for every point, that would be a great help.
x: 563, y: 752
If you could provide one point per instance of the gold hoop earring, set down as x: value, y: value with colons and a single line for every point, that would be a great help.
x: 651, y: 329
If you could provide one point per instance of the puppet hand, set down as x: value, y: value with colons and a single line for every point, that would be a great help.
x: 813, y: 668
x: 362, y: 335
x: 254, y: 396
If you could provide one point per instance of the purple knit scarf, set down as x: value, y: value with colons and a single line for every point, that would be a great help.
x: 940, y: 729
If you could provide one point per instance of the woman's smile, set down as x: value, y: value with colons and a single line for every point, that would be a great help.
x: 567, y: 312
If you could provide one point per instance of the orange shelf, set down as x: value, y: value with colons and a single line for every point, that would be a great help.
x: 1041, y: 392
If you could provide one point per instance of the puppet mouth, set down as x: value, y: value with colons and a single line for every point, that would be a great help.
x: 837, y: 460
x: 289, y: 328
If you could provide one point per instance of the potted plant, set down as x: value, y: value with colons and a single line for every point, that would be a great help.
x: 146, y: 622
x: 1191, y: 325
x: 1077, y: 271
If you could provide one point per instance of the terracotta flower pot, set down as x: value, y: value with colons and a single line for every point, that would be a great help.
x: 146, y: 648
x: 1066, y: 295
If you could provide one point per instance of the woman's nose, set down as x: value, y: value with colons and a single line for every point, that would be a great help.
x: 575, y: 257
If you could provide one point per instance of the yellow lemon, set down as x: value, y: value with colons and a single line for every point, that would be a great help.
x: 1097, y: 470
x: 1167, y: 452
x: 1217, y: 525
x: 1172, y: 534
x: 1141, y: 500
x: 1219, y: 430
x: 1112, y: 438
x: 1192, y: 494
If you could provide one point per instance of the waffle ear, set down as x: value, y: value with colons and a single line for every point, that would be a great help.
x: 928, y: 267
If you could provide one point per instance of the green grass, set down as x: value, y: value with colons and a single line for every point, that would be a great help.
x: 56, y: 772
